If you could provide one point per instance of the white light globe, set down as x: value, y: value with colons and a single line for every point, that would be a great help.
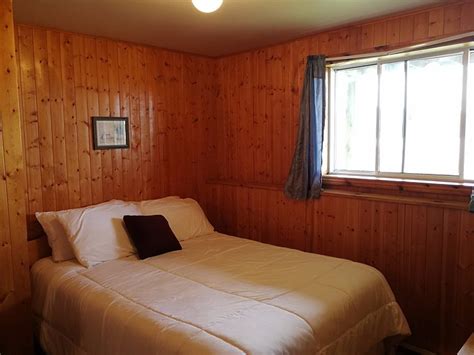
x: 207, y: 5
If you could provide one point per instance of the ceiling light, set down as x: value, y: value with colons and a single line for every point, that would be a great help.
x: 207, y: 5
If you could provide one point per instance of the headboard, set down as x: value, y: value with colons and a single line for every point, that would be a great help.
x: 37, y: 242
x: 37, y: 249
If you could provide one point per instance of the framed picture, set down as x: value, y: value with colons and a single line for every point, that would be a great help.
x: 110, y: 132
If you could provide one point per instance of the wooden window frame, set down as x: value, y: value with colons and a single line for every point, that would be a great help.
x: 467, y: 50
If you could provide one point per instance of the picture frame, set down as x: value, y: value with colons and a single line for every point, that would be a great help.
x: 110, y: 133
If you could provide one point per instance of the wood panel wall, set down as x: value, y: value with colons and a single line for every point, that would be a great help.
x: 232, y: 121
x: 14, y: 276
x: 67, y: 78
x: 420, y: 240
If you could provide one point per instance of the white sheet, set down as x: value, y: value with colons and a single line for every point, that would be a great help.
x: 220, y: 294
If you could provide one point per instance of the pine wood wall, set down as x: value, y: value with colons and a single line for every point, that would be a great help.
x: 14, y: 275
x: 67, y: 78
x: 232, y: 122
x: 422, y: 239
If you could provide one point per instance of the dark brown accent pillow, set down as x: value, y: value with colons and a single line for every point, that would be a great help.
x: 151, y: 235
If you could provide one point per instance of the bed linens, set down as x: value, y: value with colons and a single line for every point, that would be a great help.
x: 220, y: 294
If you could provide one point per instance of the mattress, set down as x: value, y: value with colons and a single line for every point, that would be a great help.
x: 219, y: 295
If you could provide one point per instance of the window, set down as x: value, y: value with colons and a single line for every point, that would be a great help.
x: 408, y: 115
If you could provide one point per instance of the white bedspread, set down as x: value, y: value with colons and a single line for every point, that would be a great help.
x: 219, y: 295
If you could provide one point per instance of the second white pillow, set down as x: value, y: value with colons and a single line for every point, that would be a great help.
x: 185, y: 217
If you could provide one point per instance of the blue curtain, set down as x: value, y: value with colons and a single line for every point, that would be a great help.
x: 471, y: 204
x: 305, y: 178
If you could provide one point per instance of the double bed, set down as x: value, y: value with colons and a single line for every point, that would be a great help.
x: 218, y: 295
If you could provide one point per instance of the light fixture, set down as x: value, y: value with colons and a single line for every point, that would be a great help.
x: 207, y: 5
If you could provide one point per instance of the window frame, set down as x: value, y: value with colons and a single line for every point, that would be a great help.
x: 466, y: 49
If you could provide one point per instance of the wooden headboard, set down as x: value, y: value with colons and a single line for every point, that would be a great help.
x: 37, y: 242
x: 37, y: 249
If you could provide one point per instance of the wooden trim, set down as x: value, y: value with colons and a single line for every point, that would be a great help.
x: 397, y: 199
x: 249, y: 185
x: 330, y: 182
x: 335, y: 186
x: 400, y: 185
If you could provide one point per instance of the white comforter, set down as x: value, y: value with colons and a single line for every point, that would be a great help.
x: 219, y: 295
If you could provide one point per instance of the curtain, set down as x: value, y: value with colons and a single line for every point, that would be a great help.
x: 471, y: 204
x: 305, y: 178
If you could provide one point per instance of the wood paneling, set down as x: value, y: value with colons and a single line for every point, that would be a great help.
x: 14, y: 276
x: 234, y: 120
x: 419, y: 236
x: 66, y: 78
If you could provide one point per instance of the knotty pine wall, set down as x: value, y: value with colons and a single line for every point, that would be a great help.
x: 15, y: 315
x: 66, y: 78
x: 424, y: 246
x: 223, y: 131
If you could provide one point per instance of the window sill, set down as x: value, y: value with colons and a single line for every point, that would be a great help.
x: 398, y: 185
x: 414, y: 192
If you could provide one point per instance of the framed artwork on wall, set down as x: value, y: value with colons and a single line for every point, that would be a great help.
x: 110, y: 132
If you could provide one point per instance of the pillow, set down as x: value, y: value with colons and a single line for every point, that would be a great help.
x: 162, y: 200
x: 56, y: 235
x: 57, y: 238
x: 151, y: 235
x: 97, y: 233
x: 185, y: 216
x: 166, y: 199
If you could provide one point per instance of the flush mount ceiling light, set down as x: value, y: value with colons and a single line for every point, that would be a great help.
x: 207, y: 5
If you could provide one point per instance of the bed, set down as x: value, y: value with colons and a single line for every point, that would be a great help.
x: 219, y: 295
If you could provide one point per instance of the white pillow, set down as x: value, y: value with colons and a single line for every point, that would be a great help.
x: 163, y: 200
x: 56, y: 234
x: 57, y: 238
x: 97, y: 233
x: 185, y: 216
